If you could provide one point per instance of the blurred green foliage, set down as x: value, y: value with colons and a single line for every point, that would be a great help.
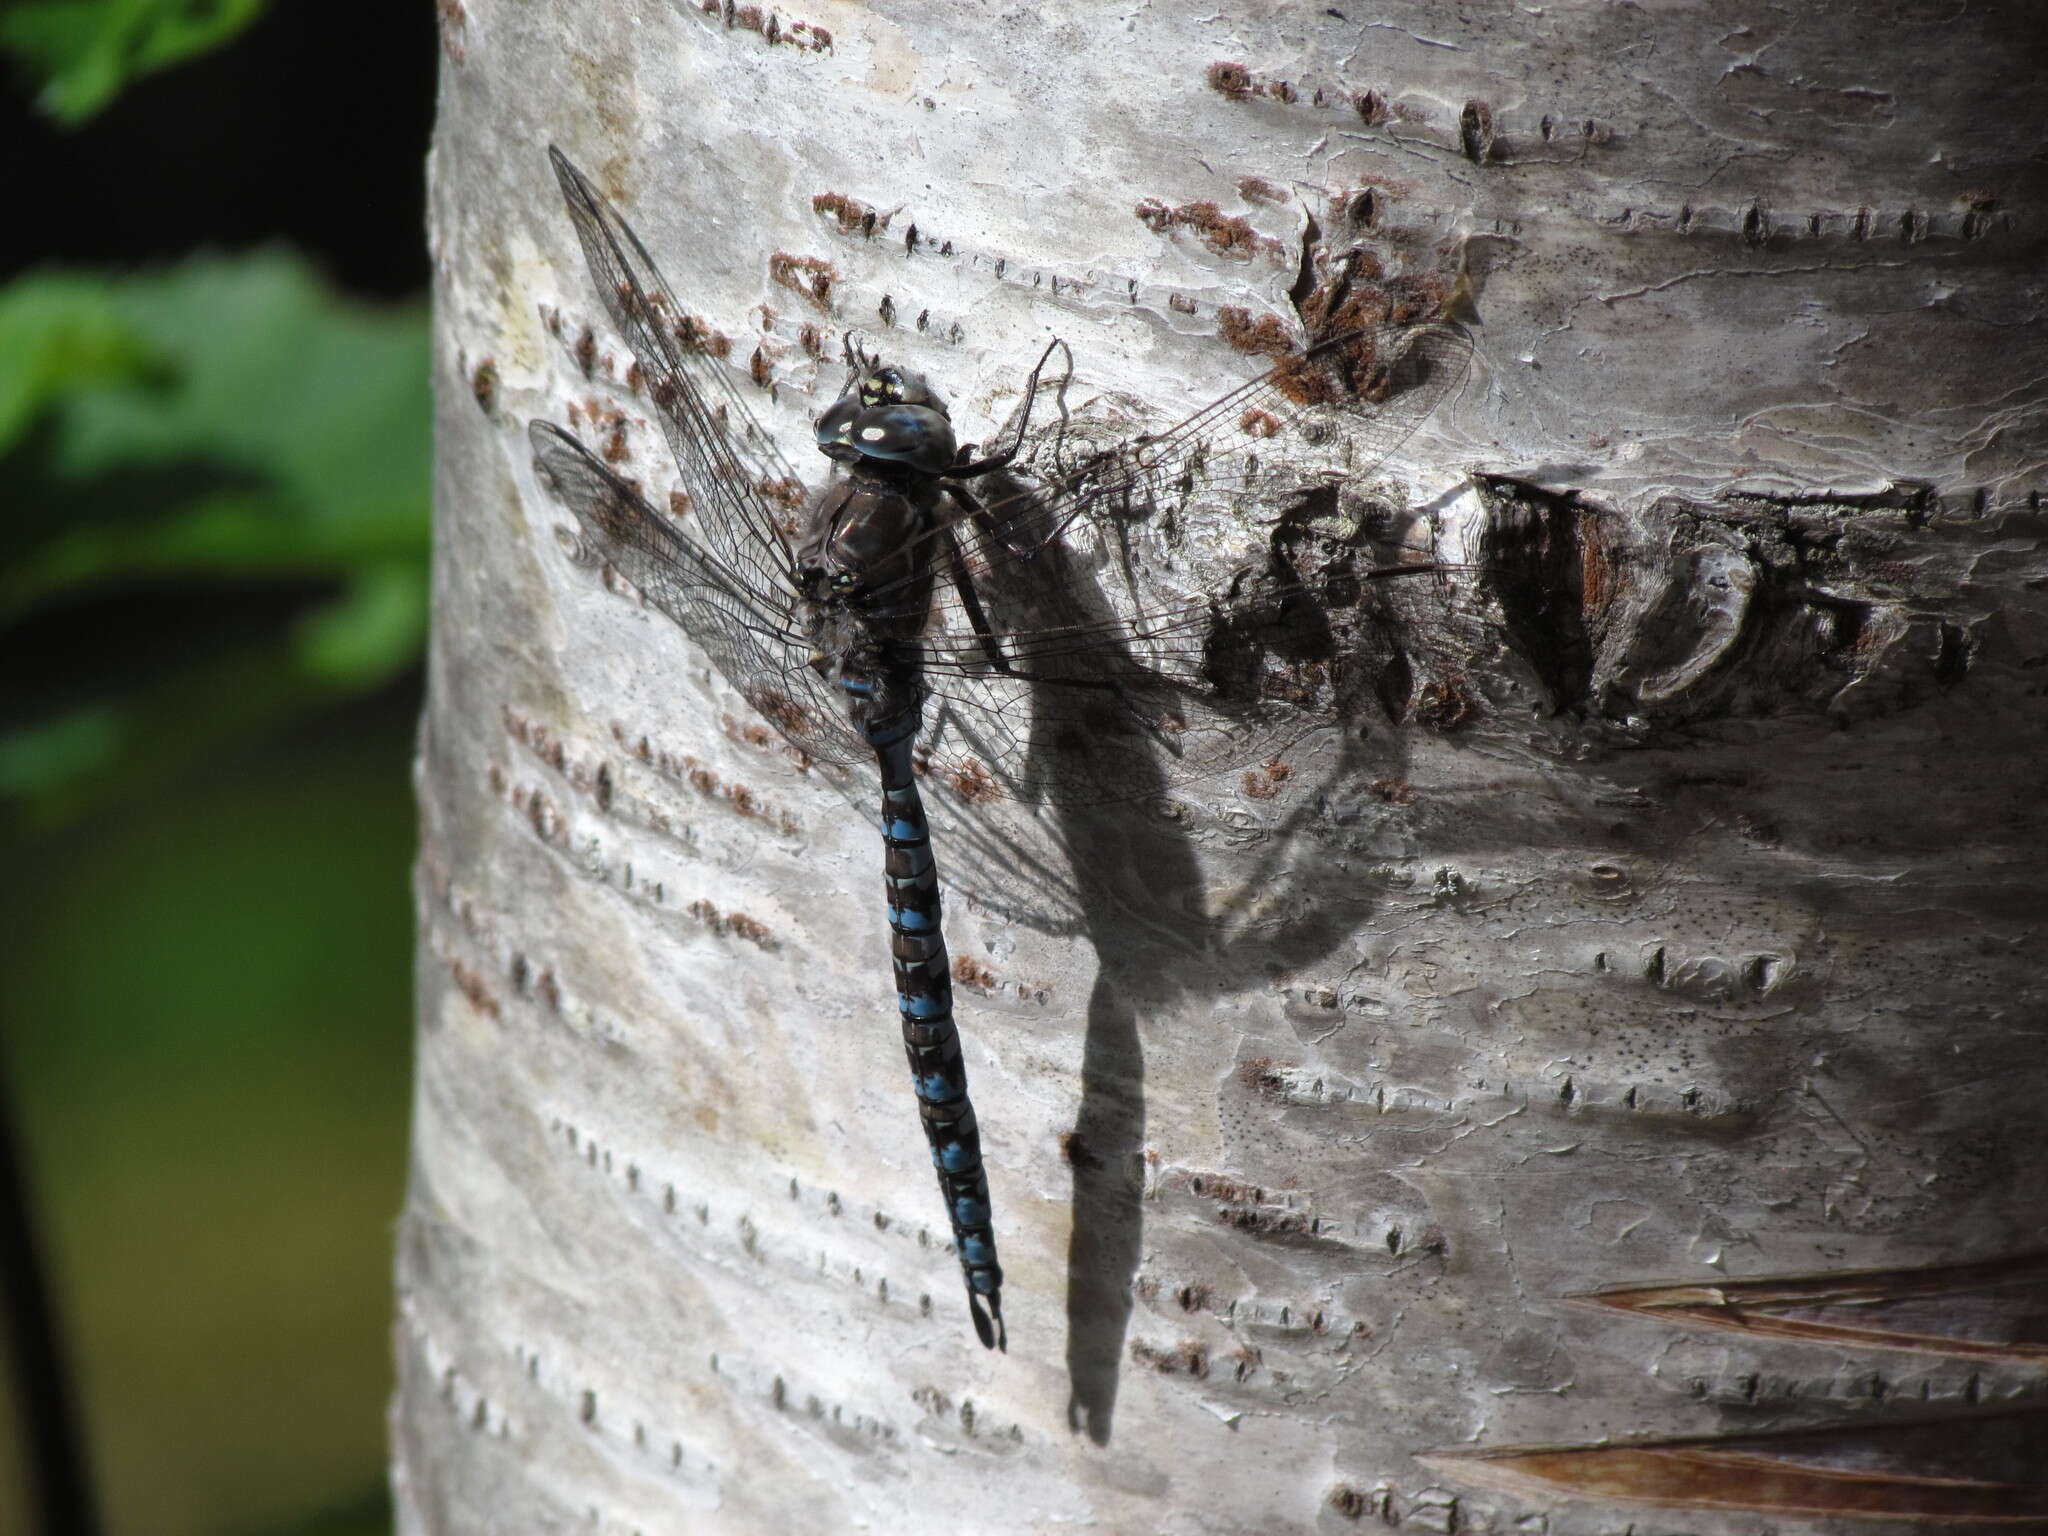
x: 212, y: 557
x: 207, y: 1023
x: 84, y: 51
x: 230, y: 424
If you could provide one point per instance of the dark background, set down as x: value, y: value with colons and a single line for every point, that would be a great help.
x: 309, y: 129
x: 207, y: 702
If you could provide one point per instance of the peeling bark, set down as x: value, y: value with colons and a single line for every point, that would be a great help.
x: 1588, y: 1087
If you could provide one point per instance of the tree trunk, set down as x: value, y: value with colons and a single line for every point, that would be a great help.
x: 1660, y: 930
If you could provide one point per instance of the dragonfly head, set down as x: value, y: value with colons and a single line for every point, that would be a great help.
x: 904, y: 433
x: 886, y: 384
x: 887, y: 418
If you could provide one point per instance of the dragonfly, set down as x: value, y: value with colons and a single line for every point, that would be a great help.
x: 1027, y: 622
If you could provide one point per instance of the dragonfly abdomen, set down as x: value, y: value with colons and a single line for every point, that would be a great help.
x: 924, y: 999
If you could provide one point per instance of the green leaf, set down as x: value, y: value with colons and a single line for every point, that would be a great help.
x: 374, y: 630
x: 39, y: 760
x: 276, y: 375
x: 229, y: 418
x: 216, y: 479
x: 83, y: 52
x: 60, y: 333
x: 56, y: 768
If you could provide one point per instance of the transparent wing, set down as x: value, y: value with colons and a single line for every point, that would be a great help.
x: 1082, y: 651
x: 1353, y: 399
x: 1125, y: 708
x: 742, y: 497
x: 752, y: 645
x: 1065, y: 660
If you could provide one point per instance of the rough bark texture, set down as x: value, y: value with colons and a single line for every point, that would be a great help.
x: 1670, y: 922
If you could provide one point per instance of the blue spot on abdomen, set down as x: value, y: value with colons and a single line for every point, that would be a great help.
x: 970, y: 1212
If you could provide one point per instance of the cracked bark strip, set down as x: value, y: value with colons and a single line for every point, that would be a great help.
x: 1984, y: 1470
x: 1997, y: 1309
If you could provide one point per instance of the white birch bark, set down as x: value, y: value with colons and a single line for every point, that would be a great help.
x: 1673, y: 920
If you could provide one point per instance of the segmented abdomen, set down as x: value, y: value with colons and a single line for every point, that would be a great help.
x: 924, y: 997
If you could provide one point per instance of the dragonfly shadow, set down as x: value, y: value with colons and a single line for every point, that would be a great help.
x: 1129, y: 867
x: 1164, y: 941
x: 1135, y: 889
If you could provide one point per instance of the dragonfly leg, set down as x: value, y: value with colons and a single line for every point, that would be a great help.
x: 970, y: 599
x: 1002, y: 459
x: 996, y: 532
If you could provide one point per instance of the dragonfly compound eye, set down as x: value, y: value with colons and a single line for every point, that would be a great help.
x: 913, y: 435
x: 834, y: 426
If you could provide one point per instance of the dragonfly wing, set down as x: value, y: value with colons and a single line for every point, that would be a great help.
x: 743, y: 496
x: 753, y: 644
x: 1100, y: 657
x: 1347, y: 403
x: 1103, y: 709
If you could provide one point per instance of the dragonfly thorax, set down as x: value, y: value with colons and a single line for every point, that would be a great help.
x: 868, y: 546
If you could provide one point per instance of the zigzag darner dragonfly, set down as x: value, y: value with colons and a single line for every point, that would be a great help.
x: 1026, y: 640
